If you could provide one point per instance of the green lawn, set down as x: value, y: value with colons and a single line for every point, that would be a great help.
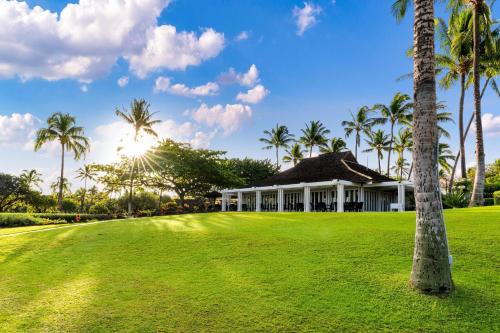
x: 247, y: 272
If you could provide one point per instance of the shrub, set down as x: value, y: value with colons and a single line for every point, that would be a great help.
x: 488, y: 202
x: 455, y: 199
x: 18, y: 220
x: 496, y: 197
x: 72, y: 218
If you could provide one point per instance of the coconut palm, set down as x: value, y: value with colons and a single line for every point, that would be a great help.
x: 359, y: 124
x: 431, y: 271
x: 336, y: 145
x: 294, y: 154
x: 402, y: 143
x: 141, y: 119
x: 65, y: 185
x: 445, y: 155
x: 314, y: 135
x: 32, y: 178
x: 395, y: 113
x: 379, y: 142
x: 400, y: 167
x: 87, y: 172
x: 277, y: 138
x: 62, y: 128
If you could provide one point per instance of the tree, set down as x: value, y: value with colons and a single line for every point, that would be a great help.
x: 277, y: 138
x: 141, y: 119
x: 444, y: 156
x: 359, y: 123
x: 400, y: 167
x: 13, y: 190
x: 431, y: 271
x: 295, y: 154
x: 403, y: 142
x: 249, y: 171
x: 379, y: 142
x: 396, y: 113
x: 32, y: 178
x: 336, y: 145
x: 62, y: 128
x: 85, y: 173
x: 314, y: 135
x: 65, y: 185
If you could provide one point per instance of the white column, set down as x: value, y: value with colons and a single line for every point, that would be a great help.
x: 361, y: 197
x: 340, y: 198
x: 258, y: 201
x: 401, y: 197
x: 240, y: 201
x: 307, y: 199
x: 224, y: 199
x: 281, y: 200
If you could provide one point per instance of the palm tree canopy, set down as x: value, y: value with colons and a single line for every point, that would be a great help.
x: 31, y: 178
x: 295, y: 154
x: 336, y: 145
x: 139, y: 117
x: 360, y: 122
x: 66, y: 185
x: 403, y: 141
x: 278, y: 137
x: 378, y: 141
x: 61, y: 127
x: 86, y: 172
x: 444, y: 156
x: 397, y: 111
x: 314, y: 134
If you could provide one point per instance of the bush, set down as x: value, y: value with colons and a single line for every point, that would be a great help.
x: 72, y: 218
x: 18, y: 220
x: 488, y: 202
x: 496, y: 197
x: 455, y: 199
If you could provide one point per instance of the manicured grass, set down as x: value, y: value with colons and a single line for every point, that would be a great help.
x: 247, y: 272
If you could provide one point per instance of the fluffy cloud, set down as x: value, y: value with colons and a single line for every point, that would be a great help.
x: 491, y: 125
x: 247, y: 79
x: 305, y: 17
x: 164, y: 84
x: 85, y: 40
x: 254, y: 95
x: 242, y: 36
x: 123, y: 81
x: 166, y: 48
x: 18, y: 129
x: 229, y: 117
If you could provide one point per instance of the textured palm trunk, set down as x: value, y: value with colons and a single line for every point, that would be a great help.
x: 356, y: 146
x: 379, y: 166
x: 131, y: 188
x: 61, y: 180
x: 431, y: 271
x: 277, y: 157
x: 463, y: 168
x: 390, y: 151
x: 477, y: 198
x: 82, y: 204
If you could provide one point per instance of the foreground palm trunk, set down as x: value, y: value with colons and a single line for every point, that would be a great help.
x: 463, y: 168
x: 477, y: 198
x: 431, y: 270
x: 61, y: 180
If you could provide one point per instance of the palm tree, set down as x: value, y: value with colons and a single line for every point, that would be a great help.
x: 456, y: 42
x: 31, y: 178
x: 400, y: 167
x: 85, y: 173
x: 141, y: 120
x: 403, y: 142
x: 277, y: 138
x: 444, y: 156
x: 62, y: 128
x: 65, y: 185
x: 295, y: 154
x: 396, y: 113
x: 431, y: 271
x: 314, y: 135
x: 336, y: 145
x: 379, y: 142
x: 359, y: 123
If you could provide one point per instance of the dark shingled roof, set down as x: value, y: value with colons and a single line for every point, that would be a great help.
x: 325, y: 167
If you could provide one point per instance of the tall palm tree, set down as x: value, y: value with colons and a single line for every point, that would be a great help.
x: 402, y: 143
x: 62, y: 128
x: 314, y: 135
x: 32, y: 178
x: 87, y: 172
x: 141, y: 119
x: 336, y: 145
x: 379, y: 142
x: 277, y: 138
x: 359, y: 123
x: 294, y: 154
x: 444, y: 156
x: 457, y: 44
x: 400, y: 167
x: 56, y: 186
x: 395, y: 113
x: 431, y: 271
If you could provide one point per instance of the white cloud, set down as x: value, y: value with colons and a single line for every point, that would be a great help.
x: 491, y: 125
x: 123, y: 81
x: 244, y: 35
x: 84, y: 88
x: 202, y: 140
x: 305, y: 17
x: 164, y: 84
x: 247, y: 79
x: 254, y: 95
x: 18, y: 129
x: 229, y: 117
x: 166, y: 48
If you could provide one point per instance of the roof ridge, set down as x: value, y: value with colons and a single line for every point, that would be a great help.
x: 357, y: 172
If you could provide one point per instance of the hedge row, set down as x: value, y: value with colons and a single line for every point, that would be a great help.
x: 18, y: 220
x: 72, y: 218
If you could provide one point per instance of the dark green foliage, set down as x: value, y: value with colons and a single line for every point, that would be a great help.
x: 249, y: 171
x: 496, y: 197
x: 8, y: 220
x: 13, y: 190
x: 455, y: 199
x: 142, y: 201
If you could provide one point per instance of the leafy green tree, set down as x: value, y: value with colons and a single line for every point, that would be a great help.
x: 32, y: 178
x: 336, y: 145
x: 277, y: 138
x: 62, y: 128
x: 359, y: 124
x: 295, y: 154
x: 314, y: 135
x: 379, y: 142
x: 65, y: 185
x: 248, y: 171
x: 141, y: 119
x: 13, y: 190
x: 85, y: 173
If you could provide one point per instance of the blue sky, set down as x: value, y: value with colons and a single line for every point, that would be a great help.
x: 348, y: 54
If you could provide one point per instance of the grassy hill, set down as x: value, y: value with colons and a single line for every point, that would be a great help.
x: 246, y: 272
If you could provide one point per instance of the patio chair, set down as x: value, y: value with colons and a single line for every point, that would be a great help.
x: 333, y: 207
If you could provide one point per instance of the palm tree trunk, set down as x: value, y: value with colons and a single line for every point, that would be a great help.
x: 411, y: 170
x: 477, y: 198
x: 310, y: 152
x: 390, y: 151
x: 131, y: 189
x: 379, y: 167
x: 461, y: 127
x: 82, y: 204
x: 61, y: 180
x: 431, y: 271
x: 277, y: 157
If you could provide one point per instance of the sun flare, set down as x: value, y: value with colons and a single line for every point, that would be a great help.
x: 130, y: 147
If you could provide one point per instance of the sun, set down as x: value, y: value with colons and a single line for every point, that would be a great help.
x: 135, y: 148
